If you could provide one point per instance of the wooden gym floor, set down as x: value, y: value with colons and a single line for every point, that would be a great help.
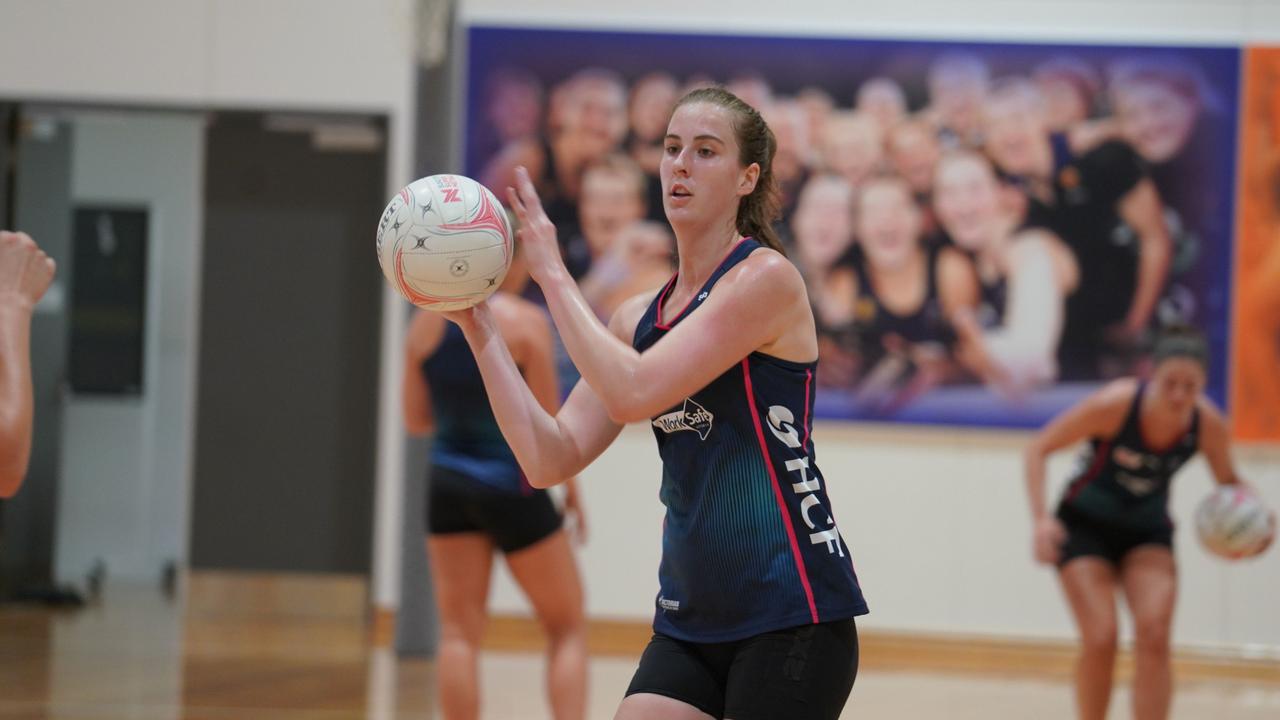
x: 136, y: 656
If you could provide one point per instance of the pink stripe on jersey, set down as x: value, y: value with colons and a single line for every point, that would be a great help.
x: 808, y: 375
x: 777, y: 491
x: 657, y: 318
x: 1095, y: 469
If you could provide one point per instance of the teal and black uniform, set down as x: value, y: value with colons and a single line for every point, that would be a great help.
x: 1119, y: 499
x: 475, y: 483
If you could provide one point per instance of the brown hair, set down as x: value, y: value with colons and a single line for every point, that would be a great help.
x: 756, y: 144
x: 1182, y: 341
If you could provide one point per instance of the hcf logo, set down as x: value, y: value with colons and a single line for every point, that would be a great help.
x: 781, y: 425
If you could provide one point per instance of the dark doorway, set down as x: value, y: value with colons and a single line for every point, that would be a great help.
x: 289, y: 338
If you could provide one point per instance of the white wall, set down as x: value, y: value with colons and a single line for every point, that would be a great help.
x: 316, y: 54
x: 936, y: 519
x: 939, y: 530
x: 331, y: 55
x: 1114, y: 21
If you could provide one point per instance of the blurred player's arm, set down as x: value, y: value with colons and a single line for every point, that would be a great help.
x: 550, y: 448
x: 25, y: 274
x: 1142, y: 211
x: 960, y: 295
x: 424, y: 334
x: 1215, y: 443
x: 1098, y: 415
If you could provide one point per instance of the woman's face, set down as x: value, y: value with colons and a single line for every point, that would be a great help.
x: 888, y: 223
x: 610, y: 201
x: 651, y: 102
x: 913, y: 150
x: 1065, y: 104
x: 596, y: 116
x: 853, y: 148
x: 957, y: 93
x: 966, y: 199
x: 702, y: 180
x: 1156, y: 119
x: 823, y: 223
x: 1177, y: 383
x: 884, y: 100
x: 789, y: 126
x: 818, y: 106
x: 1017, y: 134
x: 515, y: 109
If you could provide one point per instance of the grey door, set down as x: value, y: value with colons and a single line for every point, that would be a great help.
x: 289, y: 334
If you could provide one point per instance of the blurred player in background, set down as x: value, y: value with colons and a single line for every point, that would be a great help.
x: 1111, y: 532
x: 479, y: 502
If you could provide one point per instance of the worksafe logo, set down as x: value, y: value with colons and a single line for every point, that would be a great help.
x: 690, y: 417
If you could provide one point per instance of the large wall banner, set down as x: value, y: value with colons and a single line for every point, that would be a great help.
x: 988, y: 231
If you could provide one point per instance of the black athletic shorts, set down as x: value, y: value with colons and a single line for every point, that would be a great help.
x: 457, y: 503
x: 800, y: 673
x: 1088, y: 537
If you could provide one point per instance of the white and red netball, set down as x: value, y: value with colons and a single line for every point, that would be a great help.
x: 444, y: 242
x: 1234, y: 523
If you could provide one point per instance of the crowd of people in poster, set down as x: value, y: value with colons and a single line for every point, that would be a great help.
x: 1011, y: 232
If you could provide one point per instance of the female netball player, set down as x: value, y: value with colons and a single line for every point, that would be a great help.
x: 1112, y: 529
x: 478, y: 500
x: 754, y: 618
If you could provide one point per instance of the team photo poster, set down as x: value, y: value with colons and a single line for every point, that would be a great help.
x: 988, y: 232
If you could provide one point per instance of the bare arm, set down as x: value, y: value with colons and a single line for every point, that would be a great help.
x: 550, y: 448
x: 958, y: 287
x: 424, y: 335
x: 539, y: 367
x: 1141, y: 210
x: 634, y: 386
x: 1215, y: 443
x: 25, y: 274
x: 1033, y: 319
x: 960, y: 294
x: 1099, y: 414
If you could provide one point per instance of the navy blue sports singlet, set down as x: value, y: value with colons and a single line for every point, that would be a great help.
x: 749, y: 543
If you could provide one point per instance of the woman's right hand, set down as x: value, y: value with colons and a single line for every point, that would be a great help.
x: 476, y: 317
x: 25, y: 270
x: 537, y: 234
x: 1047, y: 540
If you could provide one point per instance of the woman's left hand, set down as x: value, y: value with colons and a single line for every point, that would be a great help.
x: 537, y: 234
